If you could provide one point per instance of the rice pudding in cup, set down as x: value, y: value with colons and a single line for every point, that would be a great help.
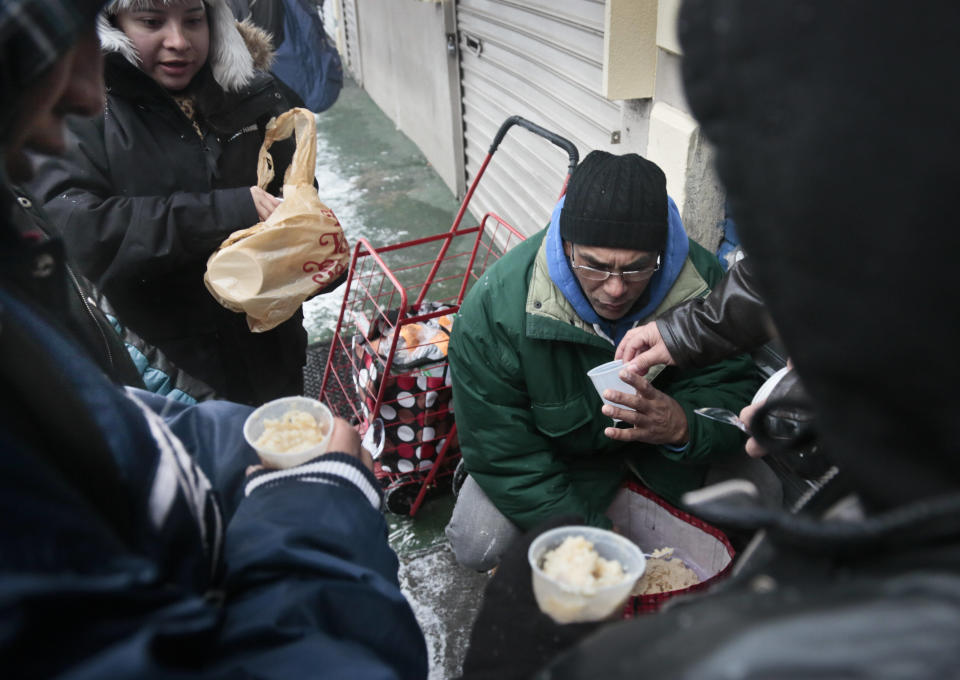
x: 582, y: 573
x: 289, y: 431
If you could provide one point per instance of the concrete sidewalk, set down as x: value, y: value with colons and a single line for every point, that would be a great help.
x: 445, y: 598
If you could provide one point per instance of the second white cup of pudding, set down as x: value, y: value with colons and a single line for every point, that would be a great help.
x: 290, y: 431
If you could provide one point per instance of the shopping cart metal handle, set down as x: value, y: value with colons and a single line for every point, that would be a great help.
x: 551, y: 137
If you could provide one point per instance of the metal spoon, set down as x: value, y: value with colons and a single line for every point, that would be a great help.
x: 722, y: 415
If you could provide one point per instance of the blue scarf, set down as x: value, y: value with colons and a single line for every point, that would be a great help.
x: 673, y: 259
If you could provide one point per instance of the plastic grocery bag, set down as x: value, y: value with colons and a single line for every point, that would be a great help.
x: 269, y: 269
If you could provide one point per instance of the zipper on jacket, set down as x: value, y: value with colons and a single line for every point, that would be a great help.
x: 93, y: 317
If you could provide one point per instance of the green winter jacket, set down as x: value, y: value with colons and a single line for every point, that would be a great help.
x: 528, y: 417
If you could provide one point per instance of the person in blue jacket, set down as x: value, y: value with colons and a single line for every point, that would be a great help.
x: 306, y: 60
x: 138, y: 537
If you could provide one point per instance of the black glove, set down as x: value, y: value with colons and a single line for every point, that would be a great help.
x: 511, y: 637
x: 785, y: 426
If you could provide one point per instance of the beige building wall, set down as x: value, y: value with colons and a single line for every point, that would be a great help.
x: 630, y: 49
x: 642, y: 67
x: 407, y: 70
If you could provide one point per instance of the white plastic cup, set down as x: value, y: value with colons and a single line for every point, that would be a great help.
x: 607, y: 377
x: 274, y: 410
x: 568, y: 604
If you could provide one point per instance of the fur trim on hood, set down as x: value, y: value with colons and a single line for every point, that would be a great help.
x: 232, y: 47
x: 259, y: 43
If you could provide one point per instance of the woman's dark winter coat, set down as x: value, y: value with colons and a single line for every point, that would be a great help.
x: 142, y: 201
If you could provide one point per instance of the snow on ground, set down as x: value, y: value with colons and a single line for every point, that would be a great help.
x: 445, y: 599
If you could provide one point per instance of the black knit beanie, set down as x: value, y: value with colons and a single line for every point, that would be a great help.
x: 616, y: 202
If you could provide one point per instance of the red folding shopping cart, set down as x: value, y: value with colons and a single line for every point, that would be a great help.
x: 387, y: 367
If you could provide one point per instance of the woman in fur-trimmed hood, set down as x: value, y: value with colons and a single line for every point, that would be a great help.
x: 233, y: 46
x: 151, y: 188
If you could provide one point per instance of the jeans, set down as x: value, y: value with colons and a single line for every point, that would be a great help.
x: 478, y: 532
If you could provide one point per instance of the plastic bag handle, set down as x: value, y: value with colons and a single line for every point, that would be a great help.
x: 303, y: 123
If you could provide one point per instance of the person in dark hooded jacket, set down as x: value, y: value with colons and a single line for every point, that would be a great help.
x: 134, y: 540
x: 843, y: 188
x: 150, y: 189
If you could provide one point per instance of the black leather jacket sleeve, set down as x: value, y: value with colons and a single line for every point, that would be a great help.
x: 74, y: 304
x: 730, y: 320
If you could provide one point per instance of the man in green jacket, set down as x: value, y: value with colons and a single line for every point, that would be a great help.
x: 535, y: 438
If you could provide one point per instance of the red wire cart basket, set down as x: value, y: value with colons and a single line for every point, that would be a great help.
x: 387, y: 367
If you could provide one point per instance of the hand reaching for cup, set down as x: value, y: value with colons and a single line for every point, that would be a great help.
x: 643, y: 347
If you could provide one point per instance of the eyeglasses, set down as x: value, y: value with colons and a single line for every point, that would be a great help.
x: 633, y: 276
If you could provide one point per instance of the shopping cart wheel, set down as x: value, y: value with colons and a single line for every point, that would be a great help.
x: 459, y: 477
x: 401, y: 494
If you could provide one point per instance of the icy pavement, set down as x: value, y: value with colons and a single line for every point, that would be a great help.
x: 444, y: 596
x: 445, y: 599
